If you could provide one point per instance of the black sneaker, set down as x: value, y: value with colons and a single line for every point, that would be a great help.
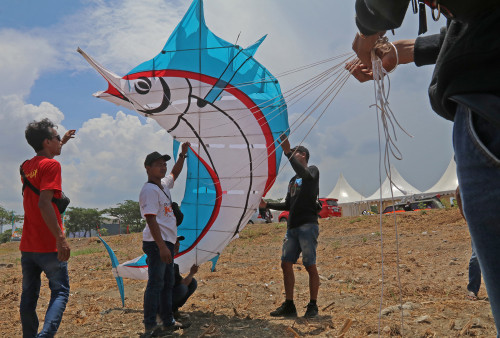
x: 161, y: 330
x: 151, y: 331
x: 180, y: 315
x: 176, y: 326
x: 285, y: 310
x: 146, y: 334
x: 312, y: 310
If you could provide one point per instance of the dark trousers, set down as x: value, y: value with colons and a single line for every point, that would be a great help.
x: 158, y: 294
x: 182, y: 292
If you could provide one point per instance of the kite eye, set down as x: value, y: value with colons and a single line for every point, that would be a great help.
x: 143, y: 85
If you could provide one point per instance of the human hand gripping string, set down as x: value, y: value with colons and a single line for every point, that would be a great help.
x: 385, y: 50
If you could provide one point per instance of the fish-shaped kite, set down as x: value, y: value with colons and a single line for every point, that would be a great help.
x: 214, y: 94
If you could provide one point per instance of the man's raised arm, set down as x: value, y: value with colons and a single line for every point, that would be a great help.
x: 176, y: 170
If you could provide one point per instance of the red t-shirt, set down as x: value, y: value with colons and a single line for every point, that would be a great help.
x: 44, y: 174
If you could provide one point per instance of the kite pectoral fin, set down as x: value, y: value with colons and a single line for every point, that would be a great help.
x: 228, y: 75
x: 114, y: 264
x: 250, y: 50
x: 214, y: 262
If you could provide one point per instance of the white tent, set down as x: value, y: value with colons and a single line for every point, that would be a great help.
x: 399, y: 187
x: 448, y: 182
x: 344, y: 192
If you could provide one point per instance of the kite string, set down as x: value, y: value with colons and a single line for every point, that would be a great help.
x: 302, y: 118
x: 313, y: 107
x: 343, y: 80
x: 385, y: 118
x: 339, y: 81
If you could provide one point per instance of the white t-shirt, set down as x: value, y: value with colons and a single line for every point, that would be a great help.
x: 153, y: 201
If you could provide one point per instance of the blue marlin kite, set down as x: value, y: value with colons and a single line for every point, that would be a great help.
x: 214, y: 94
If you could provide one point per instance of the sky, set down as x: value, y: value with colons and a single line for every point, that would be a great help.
x: 42, y: 75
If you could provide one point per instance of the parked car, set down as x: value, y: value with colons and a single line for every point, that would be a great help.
x: 417, y: 204
x: 329, y: 208
x: 257, y: 218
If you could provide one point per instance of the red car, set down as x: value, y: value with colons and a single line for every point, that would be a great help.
x: 330, y: 209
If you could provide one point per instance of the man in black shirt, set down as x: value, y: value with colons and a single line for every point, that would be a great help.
x: 302, y: 231
x: 184, y: 287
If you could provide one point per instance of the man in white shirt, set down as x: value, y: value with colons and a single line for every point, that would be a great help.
x: 159, y: 237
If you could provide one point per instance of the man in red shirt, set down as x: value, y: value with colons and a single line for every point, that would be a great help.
x: 43, y: 244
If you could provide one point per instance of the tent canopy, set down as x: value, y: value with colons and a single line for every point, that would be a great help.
x: 399, y: 188
x: 448, y: 182
x: 344, y: 192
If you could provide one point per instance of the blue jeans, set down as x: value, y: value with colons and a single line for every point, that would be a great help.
x: 158, y: 294
x: 182, y: 292
x: 301, y: 239
x: 477, y: 153
x: 33, y: 263
x: 474, y: 273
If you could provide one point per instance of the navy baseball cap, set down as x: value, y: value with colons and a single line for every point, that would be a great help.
x: 155, y: 156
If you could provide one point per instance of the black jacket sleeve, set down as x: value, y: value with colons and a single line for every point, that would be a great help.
x: 281, y: 206
x: 373, y: 16
x: 426, y: 49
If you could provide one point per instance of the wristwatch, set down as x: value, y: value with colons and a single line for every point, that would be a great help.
x: 183, y: 155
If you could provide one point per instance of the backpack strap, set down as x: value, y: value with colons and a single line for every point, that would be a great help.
x: 26, y: 182
x: 169, y: 198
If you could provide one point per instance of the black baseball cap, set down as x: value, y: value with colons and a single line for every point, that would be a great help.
x: 301, y: 149
x: 155, y: 156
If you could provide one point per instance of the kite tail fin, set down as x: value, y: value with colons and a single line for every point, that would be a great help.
x: 114, y: 264
x: 214, y: 262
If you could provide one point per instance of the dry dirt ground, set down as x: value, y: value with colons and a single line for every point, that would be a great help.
x: 235, y: 301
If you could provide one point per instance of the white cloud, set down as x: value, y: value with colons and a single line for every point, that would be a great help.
x: 14, y: 117
x: 101, y: 166
x: 120, y: 34
x: 23, y: 58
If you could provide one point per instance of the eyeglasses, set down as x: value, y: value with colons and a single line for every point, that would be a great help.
x: 58, y: 137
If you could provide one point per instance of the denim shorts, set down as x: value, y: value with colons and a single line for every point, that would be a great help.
x: 301, y: 239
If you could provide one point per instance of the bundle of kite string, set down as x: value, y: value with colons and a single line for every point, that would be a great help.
x: 386, y: 118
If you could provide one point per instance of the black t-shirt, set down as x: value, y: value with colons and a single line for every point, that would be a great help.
x: 303, y: 191
x: 177, y: 276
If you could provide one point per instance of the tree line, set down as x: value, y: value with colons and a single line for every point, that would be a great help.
x: 7, y: 217
x: 83, y: 220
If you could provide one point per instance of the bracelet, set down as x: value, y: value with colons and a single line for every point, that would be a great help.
x: 397, y: 57
x: 183, y: 155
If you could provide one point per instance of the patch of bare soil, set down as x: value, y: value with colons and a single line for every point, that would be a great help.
x: 235, y: 301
